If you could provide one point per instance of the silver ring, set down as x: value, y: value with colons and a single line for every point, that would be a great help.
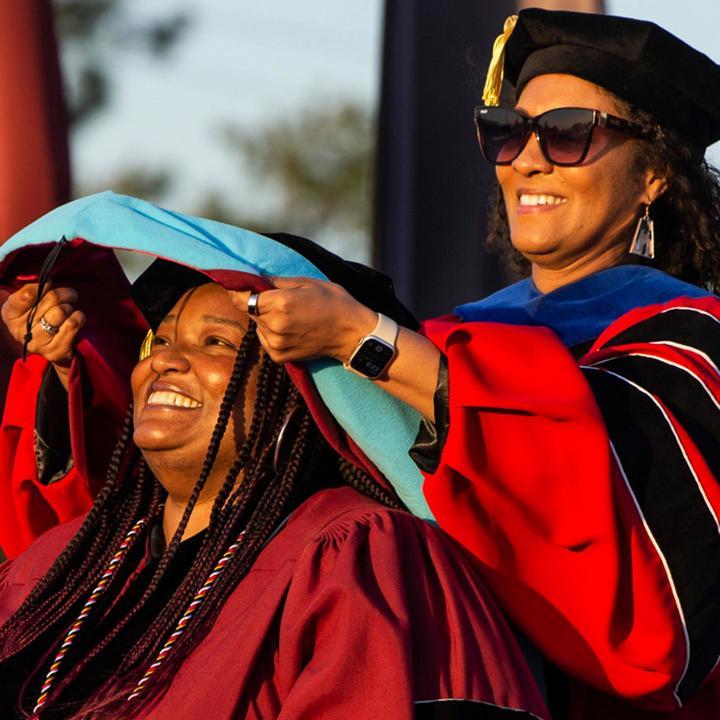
x: 252, y: 306
x: 48, y: 328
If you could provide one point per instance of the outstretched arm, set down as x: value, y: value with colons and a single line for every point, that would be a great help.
x: 304, y: 318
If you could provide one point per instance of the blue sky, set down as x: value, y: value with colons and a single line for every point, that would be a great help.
x: 242, y: 62
x: 247, y: 62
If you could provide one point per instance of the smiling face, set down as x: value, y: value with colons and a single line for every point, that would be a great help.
x: 571, y: 221
x: 177, y: 391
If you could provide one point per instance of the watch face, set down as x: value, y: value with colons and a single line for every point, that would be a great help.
x: 372, y: 357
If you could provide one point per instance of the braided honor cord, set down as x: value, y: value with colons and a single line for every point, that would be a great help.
x: 200, y: 595
x: 95, y: 595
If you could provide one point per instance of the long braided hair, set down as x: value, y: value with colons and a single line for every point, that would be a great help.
x: 256, y: 505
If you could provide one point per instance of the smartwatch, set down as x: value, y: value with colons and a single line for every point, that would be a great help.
x: 375, y: 351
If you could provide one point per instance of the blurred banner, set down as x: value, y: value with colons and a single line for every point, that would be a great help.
x: 34, y: 166
x: 433, y: 187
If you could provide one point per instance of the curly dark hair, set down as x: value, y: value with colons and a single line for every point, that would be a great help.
x: 686, y: 215
x: 257, y: 506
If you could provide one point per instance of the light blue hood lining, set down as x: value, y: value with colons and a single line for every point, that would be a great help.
x: 383, y: 427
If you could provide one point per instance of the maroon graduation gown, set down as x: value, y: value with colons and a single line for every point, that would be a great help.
x: 352, y: 610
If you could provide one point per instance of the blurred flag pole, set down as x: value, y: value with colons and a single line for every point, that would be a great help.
x: 34, y: 165
x: 433, y: 187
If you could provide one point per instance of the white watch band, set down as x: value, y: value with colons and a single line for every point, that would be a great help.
x: 386, y: 330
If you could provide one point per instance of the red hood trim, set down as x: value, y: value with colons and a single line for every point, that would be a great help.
x: 88, y: 263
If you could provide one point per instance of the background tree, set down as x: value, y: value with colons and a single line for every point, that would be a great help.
x: 92, y: 34
x: 310, y: 172
x: 313, y: 173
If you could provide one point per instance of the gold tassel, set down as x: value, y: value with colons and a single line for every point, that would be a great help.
x: 147, y: 345
x: 495, y: 73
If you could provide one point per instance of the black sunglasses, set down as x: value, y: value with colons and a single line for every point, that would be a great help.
x: 564, y: 134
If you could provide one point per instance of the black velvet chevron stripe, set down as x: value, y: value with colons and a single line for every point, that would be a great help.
x: 467, y: 710
x: 684, y: 326
x: 683, y: 393
x: 674, y: 509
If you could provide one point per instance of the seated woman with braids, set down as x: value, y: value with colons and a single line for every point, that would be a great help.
x: 238, y: 562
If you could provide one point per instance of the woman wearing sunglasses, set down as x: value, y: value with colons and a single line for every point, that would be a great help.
x: 572, y: 421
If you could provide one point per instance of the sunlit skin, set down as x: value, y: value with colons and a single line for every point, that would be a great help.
x: 192, y: 359
x: 602, y: 199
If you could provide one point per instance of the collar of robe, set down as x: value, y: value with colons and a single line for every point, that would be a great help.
x: 580, y: 311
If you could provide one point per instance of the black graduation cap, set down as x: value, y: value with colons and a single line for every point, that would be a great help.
x: 636, y: 60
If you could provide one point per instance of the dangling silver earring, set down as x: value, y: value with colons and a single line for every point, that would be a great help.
x: 643, y: 243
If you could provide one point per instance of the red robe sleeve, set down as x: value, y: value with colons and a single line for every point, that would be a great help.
x: 29, y: 507
x: 385, y: 618
x: 98, y: 397
x: 589, y: 495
